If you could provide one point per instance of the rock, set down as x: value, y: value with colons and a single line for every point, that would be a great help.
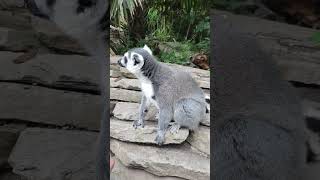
x: 52, y: 37
x: 14, y: 20
x: 112, y: 106
x: 314, y: 144
x: 134, y: 84
x: 121, y: 172
x: 200, y: 139
x: 123, y: 130
x: 290, y: 46
x: 131, y: 84
x: 15, y: 40
x: 130, y: 111
x: 125, y: 95
x: 49, y: 106
x: 58, y: 71
x: 311, y: 109
x: 9, y: 135
x: 163, y: 161
x: 54, y: 154
x: 11, y: 176
x: 11, y: 4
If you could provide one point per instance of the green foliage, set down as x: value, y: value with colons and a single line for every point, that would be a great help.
x: 316, y: 38
x: 121, y: 10
x: 181, y: 24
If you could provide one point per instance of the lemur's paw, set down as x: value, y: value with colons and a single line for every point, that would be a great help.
x: 174, y: 128
x: 160, y: 139
x: 138, y: 123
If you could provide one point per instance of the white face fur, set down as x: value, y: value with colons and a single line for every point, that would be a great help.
x: 133, y: 61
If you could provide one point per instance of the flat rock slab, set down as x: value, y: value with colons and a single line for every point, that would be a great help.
x: 9, y: 135
x: 17, y: 40
x: 60, y: 71
x: 200, y: 139
x: 134, y: 84
x: 15, y: 20
x: 11, y: 4
x: 11, y: 176
x: 130, y: 111
x: 125, y: 95
x: 121, y: 172
x: 54, y: 154
x: 163, y: 161
x: 49, y: 106
x: 290, y: 46
x: 52, y: 37
x: 124, y: 131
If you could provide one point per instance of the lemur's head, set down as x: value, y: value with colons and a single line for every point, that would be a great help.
x: 75, y: 17
x: 135, y: 59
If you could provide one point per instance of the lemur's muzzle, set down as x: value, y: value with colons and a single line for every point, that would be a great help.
x: 32, y: 6
x: 119, y: 62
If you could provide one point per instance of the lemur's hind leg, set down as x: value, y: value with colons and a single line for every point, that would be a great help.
x: 165, y: 116
x: 143, y: 109
x: 188, y: 113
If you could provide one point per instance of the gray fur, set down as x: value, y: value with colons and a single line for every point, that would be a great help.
x: 177, y: 94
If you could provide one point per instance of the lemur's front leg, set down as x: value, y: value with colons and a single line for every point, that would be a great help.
x: 145, y: 103
x: 165, y: 115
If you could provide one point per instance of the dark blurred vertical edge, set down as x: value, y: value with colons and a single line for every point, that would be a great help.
x: 106, y: 26
x: 212, y: 93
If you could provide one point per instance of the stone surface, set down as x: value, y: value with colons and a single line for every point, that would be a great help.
x: 290, y: 46
x: 11, y: 176
x: 130, y: 111
x: 9, y: 135
x: 163, y: 161
x: 49, y: 106
x: 124, y: 131
x: 11, y: 4
x: 200, y: 139
x: 52, y: 37
x: 15, y: 40
x: 314, y: 144
x: 132, y: 84
x: 63, y: 154
x: 125, y: 95
x: 14, y: 20
x: 311, y: 109
x: 121, y: 172
x: 59, y: 71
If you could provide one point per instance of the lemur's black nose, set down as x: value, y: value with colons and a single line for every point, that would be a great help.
x: 120, y: 64
x: 32, y: 6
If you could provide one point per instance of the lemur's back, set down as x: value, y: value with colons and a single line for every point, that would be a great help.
x: 179, y: 83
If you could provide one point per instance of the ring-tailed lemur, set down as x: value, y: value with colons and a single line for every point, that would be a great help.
x: 84, y: 20
x: 175, y: 93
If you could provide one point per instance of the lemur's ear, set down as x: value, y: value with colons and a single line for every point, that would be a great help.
x: 145, y: 47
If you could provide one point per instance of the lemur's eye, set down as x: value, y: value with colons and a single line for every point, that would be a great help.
x: 125, y: 60
x: 136, y: 60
